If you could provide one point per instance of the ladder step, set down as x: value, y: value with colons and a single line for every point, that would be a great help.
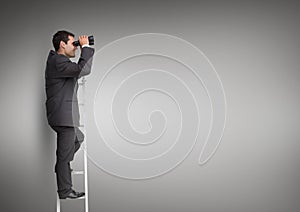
x: 77, y: 172
x: 80, y: 198
x: 71, y: 199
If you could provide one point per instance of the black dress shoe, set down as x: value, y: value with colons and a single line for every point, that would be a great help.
x: 73, y: 195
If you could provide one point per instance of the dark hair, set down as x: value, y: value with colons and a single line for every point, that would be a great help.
x: 61, y: 35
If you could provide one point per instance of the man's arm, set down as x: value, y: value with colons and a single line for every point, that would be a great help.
x: 67, y: 68
x: 88, y: 64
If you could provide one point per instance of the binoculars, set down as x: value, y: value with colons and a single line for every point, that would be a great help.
x: 91, y: 41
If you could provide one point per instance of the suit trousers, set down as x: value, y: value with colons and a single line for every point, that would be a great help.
x: 69, y: 140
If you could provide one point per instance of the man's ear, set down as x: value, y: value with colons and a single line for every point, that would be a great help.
x: 62, y: 45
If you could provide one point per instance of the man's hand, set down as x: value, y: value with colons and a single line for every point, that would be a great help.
x: 83, y: 39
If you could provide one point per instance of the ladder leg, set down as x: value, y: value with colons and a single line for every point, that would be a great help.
x: 86, y: 181
x: 57, y: 204
x: 85, y: 152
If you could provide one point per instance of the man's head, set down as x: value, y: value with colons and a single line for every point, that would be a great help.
x: 63, y: 43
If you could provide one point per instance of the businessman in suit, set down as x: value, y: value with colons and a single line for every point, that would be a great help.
x: 61, y: 77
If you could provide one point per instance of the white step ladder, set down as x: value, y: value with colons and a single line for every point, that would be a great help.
x: 83, y: 148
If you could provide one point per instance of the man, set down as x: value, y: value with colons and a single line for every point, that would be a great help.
x: 61, y: 78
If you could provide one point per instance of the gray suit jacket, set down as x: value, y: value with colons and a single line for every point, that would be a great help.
x: 61, y: 76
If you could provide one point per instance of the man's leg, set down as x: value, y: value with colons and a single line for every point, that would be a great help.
x: 64, y: 154
x: 79, y: 139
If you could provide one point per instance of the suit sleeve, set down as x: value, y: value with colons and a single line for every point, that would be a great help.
x: 67, y: 68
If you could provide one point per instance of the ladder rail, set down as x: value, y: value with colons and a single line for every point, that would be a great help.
x: 57, y: 204
x: 86, y: 181
x: 85, y: 149
x: 84, y: 146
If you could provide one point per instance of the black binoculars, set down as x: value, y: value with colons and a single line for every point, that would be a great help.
x: 91, y: 41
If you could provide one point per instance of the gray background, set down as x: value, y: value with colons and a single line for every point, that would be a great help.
x: 254, y: 47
